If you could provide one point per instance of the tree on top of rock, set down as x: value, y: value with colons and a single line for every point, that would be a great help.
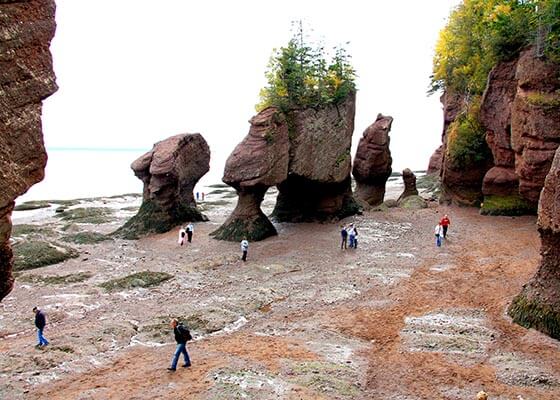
x: 301, y: 75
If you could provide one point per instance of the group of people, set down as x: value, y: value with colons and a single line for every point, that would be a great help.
x: 186, y: 233
x: 440, y: 230
x: 199, y: 196
x: 349, y: 234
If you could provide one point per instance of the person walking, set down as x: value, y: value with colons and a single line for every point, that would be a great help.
x: 352, y: 235
x: 344, y: 235
x: 438, y: 231
x: 182, y: 234
x: 445, y: 222
x: 182, y: 336
x: 190, y: 230
x: 244, y: 248
x: 40, y: 323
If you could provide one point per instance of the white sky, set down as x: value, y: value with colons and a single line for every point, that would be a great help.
x: 133, y: 72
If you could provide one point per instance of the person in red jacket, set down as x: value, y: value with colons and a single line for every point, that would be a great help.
x: 445, y: 222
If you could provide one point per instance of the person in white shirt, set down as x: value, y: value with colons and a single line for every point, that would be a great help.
x: 182, y: 234
x: 190, y: 230
x: 438, y: 231
x: 244, y: 248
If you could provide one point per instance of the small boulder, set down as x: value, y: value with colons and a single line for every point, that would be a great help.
x: 413, y: 203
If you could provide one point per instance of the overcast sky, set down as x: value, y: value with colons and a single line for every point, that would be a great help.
x: 133, y: 72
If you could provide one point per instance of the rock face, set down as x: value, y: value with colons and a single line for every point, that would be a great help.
x: 538, y: 304
x: 318, y: 186
x: 521, y: 116
x: 409, y: 184
x: 169, y: 173
x: 372, y: 164
x: 535, y: 123
x: 258, y: 162
x: 436, y: 159
x: 26, y: 78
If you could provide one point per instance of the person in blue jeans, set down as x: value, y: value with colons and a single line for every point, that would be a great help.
x: 182, y: 335
x: 40, y: 323
x: 438, y: 231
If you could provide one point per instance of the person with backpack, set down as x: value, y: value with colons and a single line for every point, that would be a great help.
x: 344, y: 235
x: 190, y: 230
x: 182, y: 336
x: 40, y: 323
x: 244, y: 248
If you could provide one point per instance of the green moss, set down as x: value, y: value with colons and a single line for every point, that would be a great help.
x: 413, y: 203
x: 532, y: 314
x: 151, y: 218
x: 32, y: 205
x: 507, y: 205
x: 342, y: 158
x: 140, y: 279
x: 86, y: 238
x: 545, y: 100
x: 254, y: 229
x: 28, y: 229
x: 36, y: 254
x: 56, y: 279
x: 431, y: 183
x: 91, y: 215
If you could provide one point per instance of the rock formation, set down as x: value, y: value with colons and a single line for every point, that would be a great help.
x: 257, y: 163
x: 409, y: 184
x: 26, y: 78
x: 538, y: 304
x: 306, y: 154
x: 372, y: 164
x: 169, y: 172
x: 436, y: 159
x: 521, y: 116
x: 318, y: 186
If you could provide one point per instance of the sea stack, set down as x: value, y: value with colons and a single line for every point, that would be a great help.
x: 169, y: 172
x: 318, y: 186
x: 538, y: 304
x: 409, y: 180
x: 257, y: 163
x: 372, y: 164
x: 26, y: 79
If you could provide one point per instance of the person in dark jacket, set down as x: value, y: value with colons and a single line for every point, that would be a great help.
x: 344, y: 235
x: 40, y: 323
x: 181, y: 337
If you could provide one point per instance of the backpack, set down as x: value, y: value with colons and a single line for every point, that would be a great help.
x: 185, y: 333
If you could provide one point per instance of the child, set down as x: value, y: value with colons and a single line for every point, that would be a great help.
x: 182, y: 234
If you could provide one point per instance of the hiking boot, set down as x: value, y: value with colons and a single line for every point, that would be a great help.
x: 186, y: 365
x: 171, y: 369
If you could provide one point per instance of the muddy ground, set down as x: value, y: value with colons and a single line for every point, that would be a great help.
x: 396, y: 318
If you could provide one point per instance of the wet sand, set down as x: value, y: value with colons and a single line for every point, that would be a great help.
x: 396, y: 318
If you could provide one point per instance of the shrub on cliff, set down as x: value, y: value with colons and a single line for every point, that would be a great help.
x: 467, y: 139
x: 482, y: 32
x: 301, y: 75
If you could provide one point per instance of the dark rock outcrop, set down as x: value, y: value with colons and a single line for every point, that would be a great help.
x: 409, y: 180
x: 258, y: 162
x: 538, y: 304
x: 318, y: 186
x: 436, y: 159
x: 372, y: 164
x: 26, y: 78
x: 169, y: 172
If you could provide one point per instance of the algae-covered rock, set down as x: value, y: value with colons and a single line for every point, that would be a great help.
x: 507, y: 205
x: 142, y: 279
x: 36, y: 253
x: 413, y: 203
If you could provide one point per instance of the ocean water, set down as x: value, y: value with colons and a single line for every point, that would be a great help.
x: 84, y: 173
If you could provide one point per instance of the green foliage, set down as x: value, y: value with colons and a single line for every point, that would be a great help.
x: 301, y: 75
x: 545, y: 100
x: 466, y: 139
x: 482, y: 32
